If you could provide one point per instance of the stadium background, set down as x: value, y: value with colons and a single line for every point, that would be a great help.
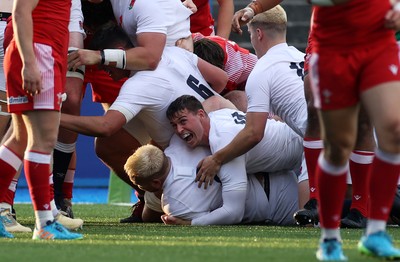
x: 93, y: 182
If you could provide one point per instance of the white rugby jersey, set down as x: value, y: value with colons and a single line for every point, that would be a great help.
x: 243, y: 198
x: 276, y: 85
x: 148, y: 94
x: 280, y: 149
x: 212, y: 206
x: 168, y: 17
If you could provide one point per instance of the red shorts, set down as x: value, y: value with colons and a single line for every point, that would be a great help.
x: 104, y: 88
x: 53, y: 70
x: 339, y: 77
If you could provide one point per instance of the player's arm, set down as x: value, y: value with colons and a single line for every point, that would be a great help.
x: 215, y: 76
x: 224, y: 19
x: 23, y: 33
x: 190, y: 5
x: 392, y: 17
x: 243, y: 16
x: 145, y: 56
x: 234, y: 189
x: 246, y: 139
x: 99, y: 126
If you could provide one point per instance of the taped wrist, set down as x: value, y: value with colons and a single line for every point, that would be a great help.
x: 249, y: 11
x: 113, y: 57
x: 256, y: 6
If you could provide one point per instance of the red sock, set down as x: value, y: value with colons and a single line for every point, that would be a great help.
x: 68, y: 183
x: 360, y: 164
x: 9, y: 165
x: 331, y: 182
x: 10, y: 193
x: 51, y: 186
x: 37, y: 170
x: 384, y: 175
x: 312, y: 149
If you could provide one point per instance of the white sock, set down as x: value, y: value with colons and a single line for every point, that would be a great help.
x: 42, y: 217
x: 330, y: 234
x: 54, y: 209
x: 374, y: 226
x: 4, y: 206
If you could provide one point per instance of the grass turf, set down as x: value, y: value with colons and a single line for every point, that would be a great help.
x: 105, y: 239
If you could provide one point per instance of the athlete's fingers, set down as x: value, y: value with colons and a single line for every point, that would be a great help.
x: 164, y: 219
x: 72, y: 56
x: 200, y: 182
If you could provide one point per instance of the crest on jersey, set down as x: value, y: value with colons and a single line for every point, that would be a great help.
x: 131, y: 4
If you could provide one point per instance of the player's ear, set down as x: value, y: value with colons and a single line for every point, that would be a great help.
x: 156, y: 183
x: 201, y: 112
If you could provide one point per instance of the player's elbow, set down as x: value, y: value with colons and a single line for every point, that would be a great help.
x: 153, y: 62
x: 236, y: 217
x: 254, y: 137
x: 257, y: 137
x: 106, y: 129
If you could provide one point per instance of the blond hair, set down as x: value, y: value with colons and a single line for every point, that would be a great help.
x: 274, y: 19
x: 147, y: 161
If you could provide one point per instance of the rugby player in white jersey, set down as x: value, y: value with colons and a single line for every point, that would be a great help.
x: 151, y: 25
x: 275, y: 86
x: 145, y: 96
x: 237, y: 197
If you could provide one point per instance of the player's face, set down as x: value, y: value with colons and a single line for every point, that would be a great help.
x: 187, y: 126
x: 145, y: 184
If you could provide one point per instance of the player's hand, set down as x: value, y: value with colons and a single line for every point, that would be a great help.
x: 83, y: 57
x: 392, y: 19
x: 171, y: 220
x: 207, y: 169
x: 32, y: 81
x: 240, y: 18
x: 190, y: 5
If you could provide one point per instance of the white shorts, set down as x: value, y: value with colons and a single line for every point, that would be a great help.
x: 76, y: 18
x: 283, y: 197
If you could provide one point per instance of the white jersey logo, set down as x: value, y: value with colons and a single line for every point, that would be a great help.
x: 394, y: 69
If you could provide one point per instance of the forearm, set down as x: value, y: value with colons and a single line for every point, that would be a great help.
x: 85, y: 125
x: 260, y: 6
x: 23, y: 30
x: 231, y: 212
x: 140, y: 58
x: 224, y: 20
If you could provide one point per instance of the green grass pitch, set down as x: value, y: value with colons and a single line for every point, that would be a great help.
x: 105, y: 239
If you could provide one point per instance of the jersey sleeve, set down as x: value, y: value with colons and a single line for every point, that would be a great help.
x: 258, y: 93
x: 230, y: 213
x: 150, y: 18
x: 234, y: 188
